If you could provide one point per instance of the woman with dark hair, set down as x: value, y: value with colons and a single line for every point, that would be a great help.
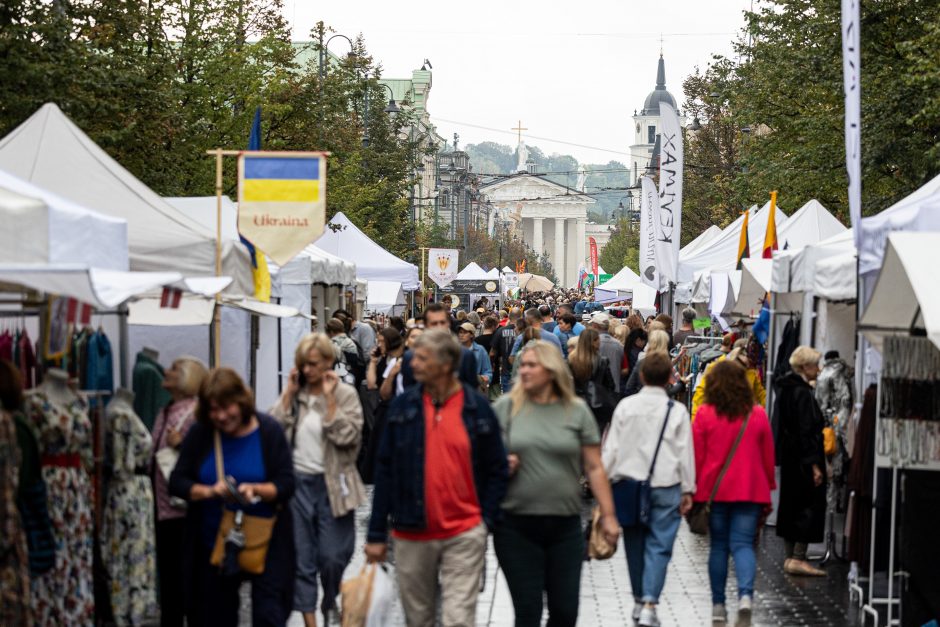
x: 734, y: 464
x: 384, y: 371
x: 257, y: 479
x: 633, y: 346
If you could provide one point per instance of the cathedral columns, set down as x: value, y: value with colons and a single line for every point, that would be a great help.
x: 581, y: 223
x: 559, y: 261
x: 537, y: 236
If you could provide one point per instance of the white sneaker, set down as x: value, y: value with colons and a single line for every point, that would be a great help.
x: 744, y: 612
x: 636, y: 612
x: 648, y: 617
x: 719, y: 614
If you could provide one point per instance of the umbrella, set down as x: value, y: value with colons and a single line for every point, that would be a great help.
x: 535, y: 283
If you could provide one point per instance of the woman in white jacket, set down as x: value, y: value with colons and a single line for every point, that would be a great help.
x: 638, y: 424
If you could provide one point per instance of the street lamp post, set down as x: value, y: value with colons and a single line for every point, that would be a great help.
x: 391, y: 109
x: 324, y: 49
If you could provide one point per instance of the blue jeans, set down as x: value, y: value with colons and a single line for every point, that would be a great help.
x: 649, y: 549
x: 324, y: 544
x: 505, y: 379
x: 732, y: 527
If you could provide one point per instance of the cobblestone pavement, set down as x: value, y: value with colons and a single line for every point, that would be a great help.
x: 606, y: 598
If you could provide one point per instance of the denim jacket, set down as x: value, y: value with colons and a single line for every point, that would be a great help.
x: 399, y: 473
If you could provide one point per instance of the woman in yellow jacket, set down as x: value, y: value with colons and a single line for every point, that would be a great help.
x: 739, y: 354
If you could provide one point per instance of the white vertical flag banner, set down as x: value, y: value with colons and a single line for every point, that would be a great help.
x: 649, y: 204
x: 442, y: 265
x: 667, y: 228
x: 852, y: 77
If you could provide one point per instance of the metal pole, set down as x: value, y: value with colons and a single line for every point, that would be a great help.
x: 124, y: 344
x: 217, y: 313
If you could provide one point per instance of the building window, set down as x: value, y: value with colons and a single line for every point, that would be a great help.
x: 650, y: 134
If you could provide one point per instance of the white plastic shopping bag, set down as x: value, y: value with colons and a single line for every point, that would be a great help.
x: 381, y: 599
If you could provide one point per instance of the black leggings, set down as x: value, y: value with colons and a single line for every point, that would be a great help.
x: 541, y: 553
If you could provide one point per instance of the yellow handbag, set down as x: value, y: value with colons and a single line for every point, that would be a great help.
x: 257, y: 530
x: 829, y: 440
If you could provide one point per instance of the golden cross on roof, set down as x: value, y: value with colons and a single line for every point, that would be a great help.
x: 520, y: 129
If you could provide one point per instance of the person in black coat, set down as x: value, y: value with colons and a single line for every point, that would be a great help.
x: 801, y: 516
x: 256, y: 454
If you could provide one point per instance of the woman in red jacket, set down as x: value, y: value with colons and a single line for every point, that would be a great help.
x: 743, y: 493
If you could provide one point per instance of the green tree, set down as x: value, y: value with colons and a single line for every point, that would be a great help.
x: 622, y: 249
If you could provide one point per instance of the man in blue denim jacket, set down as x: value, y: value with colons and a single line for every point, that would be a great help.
x: 441, y: 473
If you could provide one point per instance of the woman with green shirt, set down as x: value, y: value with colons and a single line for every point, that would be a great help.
x: 550, y: 434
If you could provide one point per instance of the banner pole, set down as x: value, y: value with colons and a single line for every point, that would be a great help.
x: 217, y: 315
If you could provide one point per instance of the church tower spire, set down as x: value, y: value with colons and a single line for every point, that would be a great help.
x: 661, y: 74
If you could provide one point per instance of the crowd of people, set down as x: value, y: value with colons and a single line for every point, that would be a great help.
x: 507, y: 422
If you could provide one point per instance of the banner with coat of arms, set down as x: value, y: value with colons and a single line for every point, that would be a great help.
x: 442, y: 265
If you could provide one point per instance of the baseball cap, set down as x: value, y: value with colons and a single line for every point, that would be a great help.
x: 600, y: 317
x: 466, y: 326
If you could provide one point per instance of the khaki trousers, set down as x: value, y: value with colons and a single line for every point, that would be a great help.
x: 459, y: 560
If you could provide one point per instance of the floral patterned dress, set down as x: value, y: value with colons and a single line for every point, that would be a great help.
x: 14, y: 571
x: 65, y: 594
x: 128, y: 550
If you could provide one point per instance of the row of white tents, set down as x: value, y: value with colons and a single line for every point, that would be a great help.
x: 80, y: 225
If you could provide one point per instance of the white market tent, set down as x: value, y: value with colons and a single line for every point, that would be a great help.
x: 812, y: 223
x: 626, y: 284
x: 918, y: 212
x: 507, y: 269
x: 835, y: 277
x: 700, y: 242
x: 50, y: 151
x: 756, y: 275
x: 472, y: 272
x: 720, y: 254
x: 385, y: 296
x: 905, y: 298
x: 373, y: 263
x: 493, y: 274
x: 45, y: 228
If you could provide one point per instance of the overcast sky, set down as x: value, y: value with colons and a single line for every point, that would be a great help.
x: 571, y: 71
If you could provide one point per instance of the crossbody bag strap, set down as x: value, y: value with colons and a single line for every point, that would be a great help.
x: 219, y: 463
x: 724, y: 468
x: 660, y: 441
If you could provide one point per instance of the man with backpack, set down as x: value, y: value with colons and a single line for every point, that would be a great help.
x: 349, y: 364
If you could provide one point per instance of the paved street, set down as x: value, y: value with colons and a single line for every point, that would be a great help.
x: 606, y: 598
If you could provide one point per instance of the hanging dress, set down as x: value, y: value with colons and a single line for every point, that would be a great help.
x: 128, y: 550
x: 14, y: 560
x: 65, y: 594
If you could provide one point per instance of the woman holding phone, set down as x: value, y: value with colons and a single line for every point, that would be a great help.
x: 323, y: 420
x: 257, y: 479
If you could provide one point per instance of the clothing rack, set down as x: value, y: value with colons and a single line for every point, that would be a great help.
x: 901, y: 443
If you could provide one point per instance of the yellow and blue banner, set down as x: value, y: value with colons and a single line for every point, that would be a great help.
x: 281, y: 201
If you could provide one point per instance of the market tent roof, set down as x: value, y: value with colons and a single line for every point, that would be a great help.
x: 905, y: 297
x: 493, y: 274
x: 836, y: 278
x: 721, y: 253
x: 918, y: 212
x: 507, y: 269
x: 49, y: 150
x: 311, y: 265
x: 701, y: 241
x: 199, y: 311
x: 812, y: 223
x: 472, y: 272
x: 373, y: 262
x: 384, y: 296
x: 642, y: 296
x: 101, y: 288
x: 42, y: 227
x: 755, y: 283
x: 626, y: 279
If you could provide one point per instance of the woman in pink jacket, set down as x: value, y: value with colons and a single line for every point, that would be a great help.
x: 743, y: 494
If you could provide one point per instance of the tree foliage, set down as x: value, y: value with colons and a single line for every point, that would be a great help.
x: 785, y: 88
x: 622, y: 249
x: 158, y: 84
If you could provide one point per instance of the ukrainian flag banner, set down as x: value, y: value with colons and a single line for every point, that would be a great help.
x: 281, y: 201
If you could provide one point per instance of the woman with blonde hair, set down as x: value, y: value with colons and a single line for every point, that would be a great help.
x: 551, y: 437
x: 801, y: 515
x: 182, y: 380
x: 322, y: 418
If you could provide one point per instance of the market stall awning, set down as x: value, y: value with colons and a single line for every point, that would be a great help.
x: 836, y: 277
x: 103, y: 289
x: 196, y: 310
x: 535, y: 282
x: 42, y: 227
x: 755, y: 283
x: 905, y: 299
x: 384, y: 296
x: 472, y: 272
